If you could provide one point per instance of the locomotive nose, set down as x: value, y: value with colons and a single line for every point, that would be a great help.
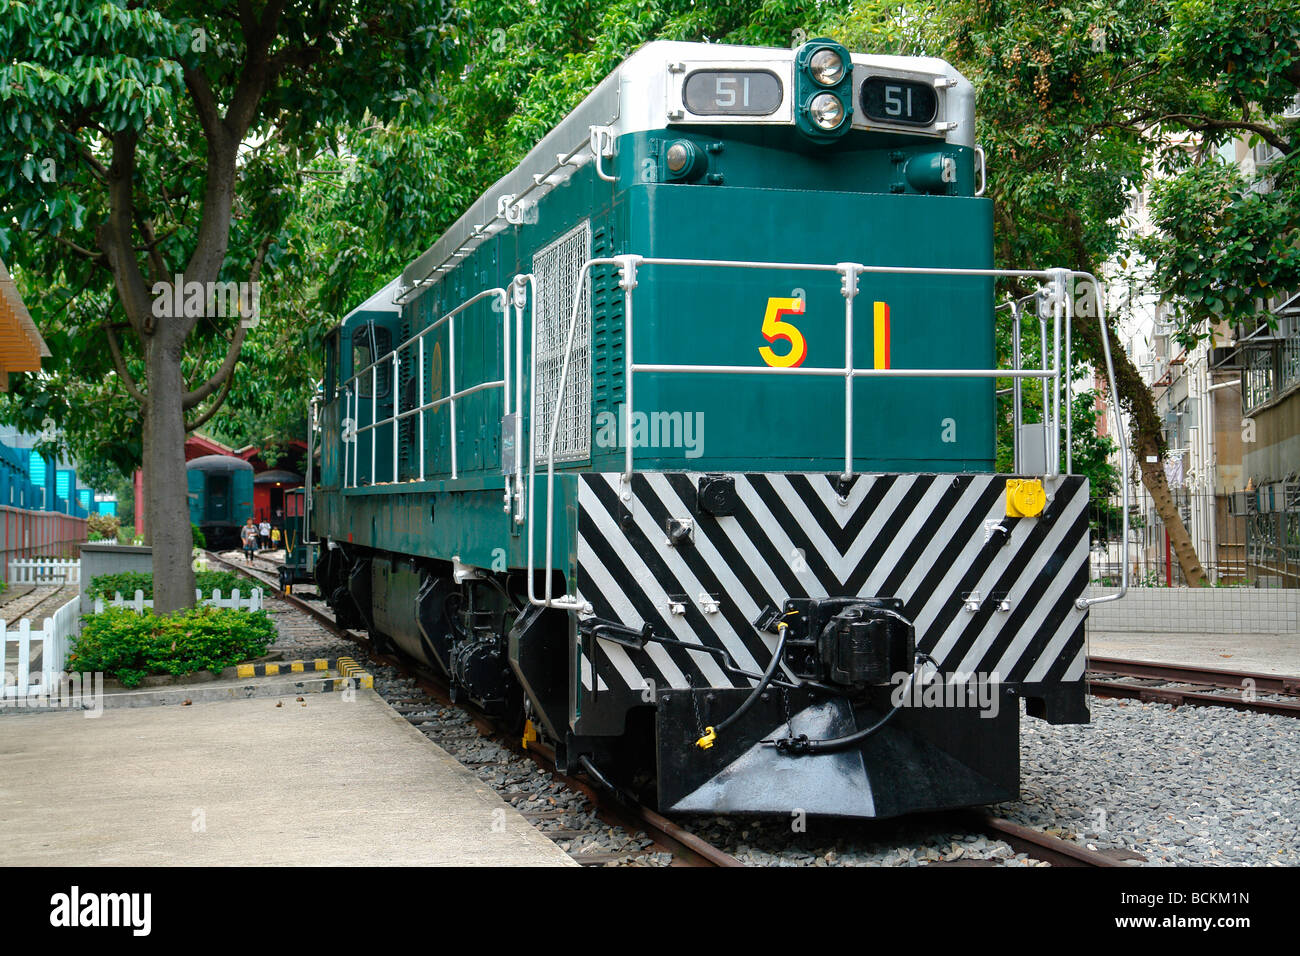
x: 925, y: 758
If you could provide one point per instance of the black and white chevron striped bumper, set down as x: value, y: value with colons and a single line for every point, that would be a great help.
x: 988, y: 594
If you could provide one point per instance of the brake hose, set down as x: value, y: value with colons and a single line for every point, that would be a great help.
x: 801, y: 745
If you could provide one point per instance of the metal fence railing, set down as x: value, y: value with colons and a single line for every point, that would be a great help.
x: 1227, y: 546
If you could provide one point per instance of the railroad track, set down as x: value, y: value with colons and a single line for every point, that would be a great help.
x: 685, y: 848
x: 1177, y: 684
x: 36, y: 602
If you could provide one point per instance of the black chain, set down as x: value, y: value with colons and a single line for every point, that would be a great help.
x: 785, y: 703
x: 695, y: 705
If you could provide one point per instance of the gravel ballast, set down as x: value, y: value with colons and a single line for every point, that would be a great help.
x: 1179, y: 785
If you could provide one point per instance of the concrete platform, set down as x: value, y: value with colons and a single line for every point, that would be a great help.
x: 340, y: 779
x: 1257, y: 653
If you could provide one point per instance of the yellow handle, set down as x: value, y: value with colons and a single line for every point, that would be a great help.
x: 705, y: 742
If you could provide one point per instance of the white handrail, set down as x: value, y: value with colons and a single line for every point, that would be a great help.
x: 453, y: 395
x: 1058, y: 281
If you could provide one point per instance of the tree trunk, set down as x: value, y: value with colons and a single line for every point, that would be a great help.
x: 1153, y: 476
x: 145, y: 444
x: 168, y: 515
x: 1135, y: 397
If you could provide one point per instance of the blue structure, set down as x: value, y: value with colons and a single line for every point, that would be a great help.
x: 33, y: 482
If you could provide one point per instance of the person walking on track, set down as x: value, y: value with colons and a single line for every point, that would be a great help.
x: 248, y: 535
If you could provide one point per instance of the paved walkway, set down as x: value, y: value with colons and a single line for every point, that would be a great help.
x: 327, y: 781
x: 1256, y: 653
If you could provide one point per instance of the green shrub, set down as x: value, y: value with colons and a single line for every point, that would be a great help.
x: 126, y: 645
x: 128, y: 582
x: 100, y: 527
x: 200, y: 541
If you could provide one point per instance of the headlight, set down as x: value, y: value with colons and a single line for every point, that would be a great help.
x: 827, y: 67
x: 678, y: 156
x: 684, y: 161
x: 826, y: 110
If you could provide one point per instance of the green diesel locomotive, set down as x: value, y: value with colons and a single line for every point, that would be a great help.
x: 678, y: 448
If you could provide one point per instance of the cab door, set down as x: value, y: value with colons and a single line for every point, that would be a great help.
x: 372, y: 364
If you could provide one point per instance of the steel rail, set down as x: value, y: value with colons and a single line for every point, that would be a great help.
x: 1040, y: 845
x: 1185, y: 684
x: 1264, y: 683
x: 1176, y: 697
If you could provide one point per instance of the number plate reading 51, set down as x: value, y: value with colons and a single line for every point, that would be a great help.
x: 732, y: 92
x: 898, y: 101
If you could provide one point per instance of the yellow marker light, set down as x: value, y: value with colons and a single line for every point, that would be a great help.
x: 1025, y: 498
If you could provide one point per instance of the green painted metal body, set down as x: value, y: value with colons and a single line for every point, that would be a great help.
x: 769, y: 195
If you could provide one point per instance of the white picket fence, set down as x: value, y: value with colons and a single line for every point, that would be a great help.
x: 45, y: 571
x: 253, y: 602
x: 53, y: 637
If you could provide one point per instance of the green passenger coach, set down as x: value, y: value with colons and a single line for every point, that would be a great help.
x: 678, y: 448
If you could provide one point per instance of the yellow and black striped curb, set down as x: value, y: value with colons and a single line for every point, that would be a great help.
x: 350, y: 668
x: 346, y: 666
x: 275, y: 668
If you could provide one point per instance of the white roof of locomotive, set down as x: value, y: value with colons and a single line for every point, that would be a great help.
x: 381, y: 301
x: 636, y: 97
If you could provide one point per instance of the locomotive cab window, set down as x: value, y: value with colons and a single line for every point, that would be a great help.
x: 371, y: 342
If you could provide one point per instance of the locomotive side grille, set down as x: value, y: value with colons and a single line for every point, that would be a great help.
x: 607, y: 327
x: 557, y: 267
x: 924, y: 539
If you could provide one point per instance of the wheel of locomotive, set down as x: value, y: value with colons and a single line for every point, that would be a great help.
x: 382, y: 643
x: 515, y: 716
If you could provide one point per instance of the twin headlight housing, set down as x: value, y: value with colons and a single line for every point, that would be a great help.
x: 823, y: 89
